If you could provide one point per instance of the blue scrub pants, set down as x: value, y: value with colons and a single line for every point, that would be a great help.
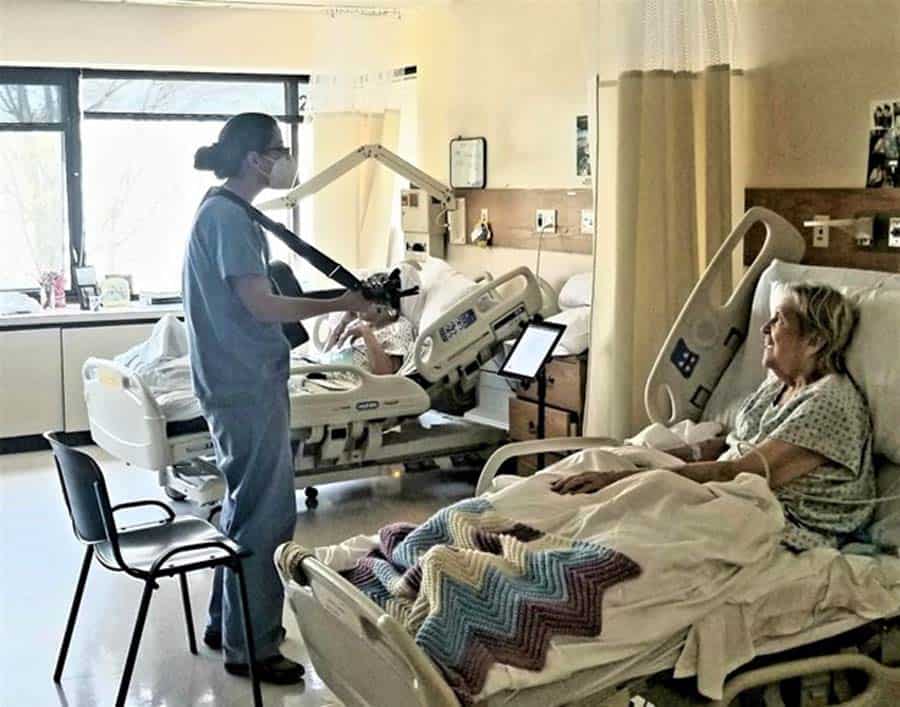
x: 253, y: 452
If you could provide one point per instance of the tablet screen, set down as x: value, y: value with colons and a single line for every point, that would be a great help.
x: 532, y: 349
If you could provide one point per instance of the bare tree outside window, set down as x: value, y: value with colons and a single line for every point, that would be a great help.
x: 32, y: 186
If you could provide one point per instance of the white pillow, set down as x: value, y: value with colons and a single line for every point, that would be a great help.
x: 872, y: 357
x: 411, y: 307
x: 576, y: 337
x: 441, y: 294
x: 577, y: 291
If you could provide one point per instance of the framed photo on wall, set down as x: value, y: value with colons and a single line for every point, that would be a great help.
x: 883, y: 164
x: 582, y: 147
x: 468, y: 163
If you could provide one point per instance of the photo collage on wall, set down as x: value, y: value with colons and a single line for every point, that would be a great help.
x: 884, y: 144
x: 582, y: 148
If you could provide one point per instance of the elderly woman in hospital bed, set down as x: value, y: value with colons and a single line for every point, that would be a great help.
x: 807, y: 427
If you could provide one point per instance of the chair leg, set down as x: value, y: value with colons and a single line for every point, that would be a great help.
x: 188, y: 617
x: 149, y: 586
x: 73, y: 613
x: 248, y: 633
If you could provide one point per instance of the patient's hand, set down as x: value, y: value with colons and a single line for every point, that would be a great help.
x: 588, y: 481
x: 357, y: 330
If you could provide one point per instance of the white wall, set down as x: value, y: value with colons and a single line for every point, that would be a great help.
x: 812, y: 68
x: 512, y: 71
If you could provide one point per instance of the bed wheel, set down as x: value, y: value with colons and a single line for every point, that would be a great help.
x: 173, y: 494
x: 312, y: 497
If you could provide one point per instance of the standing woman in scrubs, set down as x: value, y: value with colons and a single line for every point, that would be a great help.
x: 239, y: 362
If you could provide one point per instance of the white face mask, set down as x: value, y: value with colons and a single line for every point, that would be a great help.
x: 283, y: 173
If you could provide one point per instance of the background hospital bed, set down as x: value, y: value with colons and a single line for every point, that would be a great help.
x: 337, y: 621
x: 355, y: 427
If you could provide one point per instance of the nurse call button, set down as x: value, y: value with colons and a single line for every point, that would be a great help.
x: 684, y: 359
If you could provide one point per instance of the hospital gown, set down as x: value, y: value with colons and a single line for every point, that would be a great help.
x: 396, y: 338
x: 829, y: 417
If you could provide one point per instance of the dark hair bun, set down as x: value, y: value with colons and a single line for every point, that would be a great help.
x: 205, y: 158
x: 243, y: 133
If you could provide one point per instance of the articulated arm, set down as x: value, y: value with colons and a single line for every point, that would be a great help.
x: 433, y: 187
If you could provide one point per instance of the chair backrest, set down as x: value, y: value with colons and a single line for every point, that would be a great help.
x: 84, y: 490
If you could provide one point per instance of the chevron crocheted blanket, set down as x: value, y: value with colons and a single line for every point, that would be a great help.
x: 476, y: 589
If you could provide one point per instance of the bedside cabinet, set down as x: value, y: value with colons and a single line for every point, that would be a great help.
x: 566, y: 381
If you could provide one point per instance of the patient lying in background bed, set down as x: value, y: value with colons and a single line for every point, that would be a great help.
x: 377, y: 342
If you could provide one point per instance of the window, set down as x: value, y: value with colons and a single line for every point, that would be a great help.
x: 99, y: 165
x: 140, y: 188
x: 38, y: 156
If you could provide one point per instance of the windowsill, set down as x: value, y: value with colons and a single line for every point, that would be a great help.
x: 72, y: 314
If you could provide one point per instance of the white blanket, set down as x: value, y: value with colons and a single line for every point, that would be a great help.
x: 696, y: 545
x: 161, y: 362
x: 712, y: 570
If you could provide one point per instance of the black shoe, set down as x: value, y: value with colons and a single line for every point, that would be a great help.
x: 213, y: 639
x: 276, y: 670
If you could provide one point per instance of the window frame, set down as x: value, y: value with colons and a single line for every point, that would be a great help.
x: 71, y: 116
x: 70, y: 126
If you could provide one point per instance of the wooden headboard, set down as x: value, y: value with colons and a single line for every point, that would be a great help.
x: 799, y: 205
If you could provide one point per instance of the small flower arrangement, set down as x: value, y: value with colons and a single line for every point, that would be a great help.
x: 53, y: 289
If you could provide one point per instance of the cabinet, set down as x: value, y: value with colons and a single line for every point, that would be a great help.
x: 566, y: 380
x: 78, y: 345
x: 30, y: 381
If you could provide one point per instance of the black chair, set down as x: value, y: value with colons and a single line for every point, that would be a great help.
x: 165, y: 548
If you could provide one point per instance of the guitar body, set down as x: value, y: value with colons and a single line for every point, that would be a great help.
x: 284, y: 283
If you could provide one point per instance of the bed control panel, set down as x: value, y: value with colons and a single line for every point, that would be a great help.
x: 455, y: 326
x: 684, y: 359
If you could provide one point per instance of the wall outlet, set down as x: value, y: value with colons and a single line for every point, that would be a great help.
x: 484, y: 216
x: 545, y: 221
x: 587, y: 222
x: 820, y: 233
x: 894, y: 232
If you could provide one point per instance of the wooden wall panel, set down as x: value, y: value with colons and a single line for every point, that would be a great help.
x: 511, y: 214
x: 799, y: 205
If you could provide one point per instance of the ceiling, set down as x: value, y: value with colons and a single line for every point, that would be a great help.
x: 339, y: 6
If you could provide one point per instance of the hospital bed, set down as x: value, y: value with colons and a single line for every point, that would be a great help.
x: 345, y: 422
x: 709, y: 361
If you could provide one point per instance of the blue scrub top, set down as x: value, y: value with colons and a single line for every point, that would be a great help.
x: 235, y: 358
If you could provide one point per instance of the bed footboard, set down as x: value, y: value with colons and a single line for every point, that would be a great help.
x: 361, y: 653
x: 124, y: 418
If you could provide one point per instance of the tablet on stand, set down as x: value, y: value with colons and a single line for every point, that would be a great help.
x: 528, y: 360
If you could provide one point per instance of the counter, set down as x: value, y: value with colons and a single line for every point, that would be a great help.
x: 73, y: 315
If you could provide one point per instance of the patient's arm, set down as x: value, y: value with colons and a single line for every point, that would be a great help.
x: 380, y: 363
x: 709, y: 450
x: 786, y: 463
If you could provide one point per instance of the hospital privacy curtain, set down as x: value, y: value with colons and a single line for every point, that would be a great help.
x: 665, y: 148
x: 356, y: 219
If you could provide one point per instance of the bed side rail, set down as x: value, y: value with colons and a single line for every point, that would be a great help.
x: 872, y: 695
x: 124, y: 418
x: 537, y: 446
x: 380, y: 643
x: 467, y: 332
x: 706, y: 336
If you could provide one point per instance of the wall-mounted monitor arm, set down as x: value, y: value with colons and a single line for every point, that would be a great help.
x: 439, y: 191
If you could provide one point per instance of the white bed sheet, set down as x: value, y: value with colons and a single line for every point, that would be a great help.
x: 714, y: 573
